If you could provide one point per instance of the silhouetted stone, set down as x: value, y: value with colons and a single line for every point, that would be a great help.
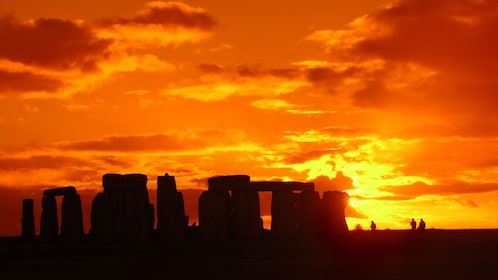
x: 284, y: 222
x: 228, y: 182
x: 99, y: 226
x: 333, y: 203
x: 277, y: 185
x: 72, y: 218
x: 308, y: 212
x: 127, y: 212
x: 49, y: 224
x: 171, y: 220
x: 214, y: 215
x: 247, y: 222
x: 28, y: 220
x: 62, y: 191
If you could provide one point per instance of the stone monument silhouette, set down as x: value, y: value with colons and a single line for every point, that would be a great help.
x: 28, y: 220
x: 230, y: 209
x: 171, y: 220
x: 123, y: 211
x: 71, y: 228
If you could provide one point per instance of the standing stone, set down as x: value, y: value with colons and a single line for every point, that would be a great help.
x: 247, y: 219
x: 228, y: 182
x: 28, y: 220
x: 49, y: 225
x: 214, y: 215
x: 129, y: 214
x: 333, y: 203
x: 100, y: 229
x: 171, y: 220
x: 284, y: 221
x: 72, y: 218
x: 308, y: 212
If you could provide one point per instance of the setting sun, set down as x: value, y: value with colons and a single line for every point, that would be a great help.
x: 352, y: 202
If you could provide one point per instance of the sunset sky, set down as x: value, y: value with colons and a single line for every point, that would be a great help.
x: 393, y: 102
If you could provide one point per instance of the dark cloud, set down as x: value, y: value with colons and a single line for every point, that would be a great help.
x: 330, y: 77
x: 438, y: 57
x: 53, y: 43
x: 159, y: 142
x: 38, y: 162
x: 305, y: 156
x: 374, y: 94
x: 86, y: 174
x: 339, y: 183
x: 466, y: 202
x: 17, y: 82
x: 210, y: 68
x: 420, y: 188
x: 168, y: 14
x: 132, y: 143
x: 454, y: 36
x: 258, y: 71
x: 123, y: 162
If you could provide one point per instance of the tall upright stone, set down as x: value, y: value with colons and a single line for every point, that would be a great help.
x: 247, y: 222
x: 72, y: 218
x: 214, y: 215
x: 71, y: 228
x: 284, y: 222
x: 333, y: 205
x: 100, y: 229
x: 171, y: 220
x: 244, y: 220
x: 124, y: 208
x: 308, y: 213
x: 28, y: 219
x: 49, y: 224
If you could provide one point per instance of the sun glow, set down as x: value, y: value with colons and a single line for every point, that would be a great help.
x: 352, y: 202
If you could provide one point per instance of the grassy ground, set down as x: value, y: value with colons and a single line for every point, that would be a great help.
x: 390, y: 254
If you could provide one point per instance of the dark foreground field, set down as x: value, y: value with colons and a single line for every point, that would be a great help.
x: 433, y: 254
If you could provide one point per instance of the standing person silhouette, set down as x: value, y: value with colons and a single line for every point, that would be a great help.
x: 413, y: 224
x: 373, y: 226
x: 421, y: 225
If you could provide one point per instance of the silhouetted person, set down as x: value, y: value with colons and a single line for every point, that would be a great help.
x: 373, y: 226
x: 413, y: 224
x: 421, y: 225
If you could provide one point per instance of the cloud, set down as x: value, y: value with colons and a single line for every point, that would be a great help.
x: 159, y: 24
x: 171, y: 141
x: 73, y: 56
x: 330, y: 75
x: 258, y: 71
x: 132, y: 143
x: 60, y: 44
x: 420, y: 188
x: 305, y: 156
x: 168, y: 14
x: 339, y: 183
x: 212, y: 89
x: 39, y: 162
x: 19, y: 82
x: 466, y: 202
x: 210, y: 68
x: 436, y: 57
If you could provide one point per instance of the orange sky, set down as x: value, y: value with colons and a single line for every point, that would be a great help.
x: 392, y: 102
